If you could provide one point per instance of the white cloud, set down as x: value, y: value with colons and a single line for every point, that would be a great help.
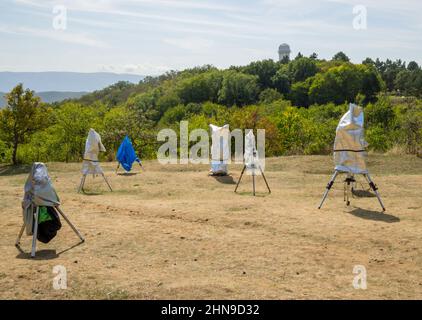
x: 193, y: 44
x: 110, y: 5
x: 220, y: 32
x: 197, y: 4
x: 120, y: 8
x: 146, y: 68
x: 55, y: 35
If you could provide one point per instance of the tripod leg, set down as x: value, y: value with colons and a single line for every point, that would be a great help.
x: 18, y: 239
x: 70, y: 224
x: 347, y: 187
x: 118, y: 166
x: 263, y: 175
x: 253, y: 181
x: 348, y: 194
x: 81, y: 185
x: 105, y: 179
x: 142, y: 167
x: 344, y: 192
x: 241, y: 175
x: 329, y: 185
x: 375, y: 189
x: 35, y: 233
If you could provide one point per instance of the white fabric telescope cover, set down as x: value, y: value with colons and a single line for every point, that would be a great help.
x: 220, y: 149
x: 251, y: 154
x: 39, y: 191
x: 350, y: 145
x: 93, y: 147
x: 90, y: 167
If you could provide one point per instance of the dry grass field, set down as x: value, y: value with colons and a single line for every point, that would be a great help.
x: 172, y: 232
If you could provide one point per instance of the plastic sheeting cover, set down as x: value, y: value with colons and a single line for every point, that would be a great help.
x: 251, y: 154
x: 350, y: 145
x: 93, y: 146
x: 39, y: 191
x: 126, y: 155
x: 220, y: 148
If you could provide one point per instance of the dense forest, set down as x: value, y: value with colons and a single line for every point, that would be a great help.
x: 298, y: 102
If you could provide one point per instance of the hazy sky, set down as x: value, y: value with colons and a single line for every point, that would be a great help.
x: 153, y: 36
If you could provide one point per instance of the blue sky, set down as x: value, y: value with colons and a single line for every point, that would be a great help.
x: 153, y: 36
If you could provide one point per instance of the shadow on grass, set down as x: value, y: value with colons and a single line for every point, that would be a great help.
x: 363, y: 193
x: 10, y: 170
x: 374, y: 215
x: 127, y: 174
x: 92, y: 193
x: 224, y: 179
x: 250, y: 193
x: 47, y: 254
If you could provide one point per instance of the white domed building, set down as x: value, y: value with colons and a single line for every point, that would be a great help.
x: 284, y: 51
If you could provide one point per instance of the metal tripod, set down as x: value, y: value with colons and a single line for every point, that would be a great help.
x: 253, y: 167
x: 348, y: 182
x: 35, y: 232
x: 81, y: 185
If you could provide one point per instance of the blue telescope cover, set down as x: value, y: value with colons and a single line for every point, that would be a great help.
x: 126, y: 154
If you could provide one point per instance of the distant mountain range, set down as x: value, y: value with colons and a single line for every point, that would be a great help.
x: 59, y: 86
x: 63, y: 81
x: 49, y: 96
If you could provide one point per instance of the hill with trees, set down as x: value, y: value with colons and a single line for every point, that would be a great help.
x: 298, y: 102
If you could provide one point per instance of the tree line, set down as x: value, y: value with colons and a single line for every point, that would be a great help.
x: 298, y: 102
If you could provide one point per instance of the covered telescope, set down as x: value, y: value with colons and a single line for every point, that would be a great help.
x: 39, y: 191
x: 220, y: 149
x: 41, y: 208
x: 91, y: 164
x: 126, y: 154
x: 252, y: 165
x: 350, y: 145
x: 251, y: 154
x: 93, y: 146
x: 350, y: 154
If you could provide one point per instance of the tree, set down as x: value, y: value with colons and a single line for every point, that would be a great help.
x: 389, y: 71
x: 281, y: 81
x: 368, y: 61
x: 144, y: 107
x: 343, y: 83
x: 181, y: 112
x: 168, y: 100
x: 409, y: 82
x: 372, y: 82
x: 118, y: 122
x: 201, y: 87
x: 299, y: 93
x: 22, y: 116
x: 313, y: 56
x: 264, y: 70
x: 413, y: 66
x: 269, y: 95
x: 72, y: 123
x: 299, y: 56
x: 301, y: 69
x: 341, y: 56
x: 380, y: 114
x: 238, y: 89
x: 285, y: 60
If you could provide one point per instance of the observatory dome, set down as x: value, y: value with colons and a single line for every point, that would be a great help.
x: 284, y: 51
